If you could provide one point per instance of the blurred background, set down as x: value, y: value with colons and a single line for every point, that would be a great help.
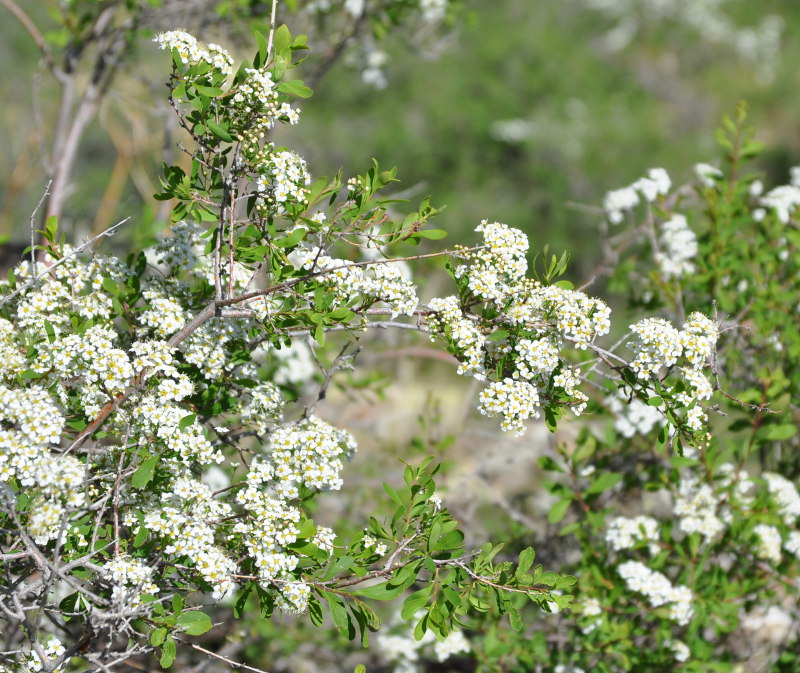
x: 522, y: 112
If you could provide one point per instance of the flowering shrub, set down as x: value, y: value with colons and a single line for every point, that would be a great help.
x: 155, y: 467
x: 687, y: 556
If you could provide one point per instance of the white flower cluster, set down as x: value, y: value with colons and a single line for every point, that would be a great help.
x: 784, y: 199
x: 591, y: 609
x: 295, y: 365
x: 12, y: 361
x: 182, y: 248
x: 264, y: 407
x: 625, y: 533
x: 191, y: 52
x: 515, y: 401
x: 91, y: 356
x: 378, y: 281
x: 186, y: 516
x: 131, y: 578
x: 370, y: 542
x: 324, y: 538
x: 72, y: 286
x: 310, y: 453
x: 618, y: 201
x: 53, y: 649
x: 769, y: 542
x: 462, y: 333
x: 498, y: 266
x: 658, y: 590
x: 404, y: 650
x: 678, y: 248
x: 165, y: 315
x: 707, y: 174
x: 283, y: 178
x: 307, y: 453
x: 29, y: 423
x: 453, y: 643
x: 697, y: 507
x: 555, y: 316
x: 633, y: 416
x: 681, y: 650
x: 785, y: 495
x: 258, y: 91
x: 160, y: 423
x: 433, y: 11
x: 659, y: 345
x: 792, y: 544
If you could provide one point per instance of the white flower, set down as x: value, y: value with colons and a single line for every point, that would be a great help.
x: 769, y: 542
x: 617, y: 201
x: 679, y: 247
x: 707, y: 174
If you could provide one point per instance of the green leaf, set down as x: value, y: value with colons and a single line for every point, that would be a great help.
x: 360, y: 669
x: 339, y: 565
x: 283, y: 39
x: 604, y: 482
x: 514, y: 617
x: 380, y: 592
x: 51, y: 332
x: 341, y: 618
x: 498, y: 335
x: 550, y: 419
x: 415, y: 602
x: 295, y: 87
x: 549, y: 464
x: 261, y: 57
x: 110, y: 286
x: 306, y: 530
x: 292, y: 239
x: 140, y: 538
x: 158, y: 636
x: 186, y: 421
x: 558, y: 510
x: 194, y: 622
x: 144, y: 473
x: 168, y: 652
x: 319, y: 334
x: 210, y: 91
x: 51, y: 228
x: 218, y: 131
x: 432, y: 234
x: 779, y: 432
x: 392, y: 494
x: 526, y: 559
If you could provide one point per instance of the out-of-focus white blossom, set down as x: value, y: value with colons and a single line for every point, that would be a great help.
x: 678, y: 248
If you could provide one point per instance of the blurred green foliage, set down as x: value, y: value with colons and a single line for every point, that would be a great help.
x: 509, y: 112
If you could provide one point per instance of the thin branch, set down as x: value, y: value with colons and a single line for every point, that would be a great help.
x: 271, y: 38
x: 230, y: 662
x: 30, y: 26
x: 33, y: 226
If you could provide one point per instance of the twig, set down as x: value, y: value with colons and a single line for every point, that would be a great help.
x: 32, y: 226
x: 230, y: 662
x: 30, y: 26
x: 271, y: 29
x: 336, y: 365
